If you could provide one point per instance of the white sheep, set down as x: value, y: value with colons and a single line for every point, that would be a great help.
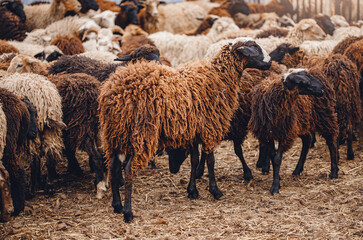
x: 180, y: 48
x: 41, y: 15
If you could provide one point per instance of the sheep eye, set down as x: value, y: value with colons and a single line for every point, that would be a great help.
x: 19, y: 65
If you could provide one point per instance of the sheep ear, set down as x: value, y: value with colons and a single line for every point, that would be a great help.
x: 305, y: 26
x: 162, y: 2
x: 124, y: 58
x: 200, y: 19
x: 247, y: 51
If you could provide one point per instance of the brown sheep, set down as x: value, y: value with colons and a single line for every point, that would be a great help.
x: 69, y: 45
x: 276, y: 32
x: 355, y: 53
x: 161, y: 107
x: 325, y: 23
x: 12, y: 18
x: 108, y: 5
x: 6, y: 207
x: 21, y: 125
x: 280, y: 113
x: 204, y: 26
x: 79, y: 94
x: 127, y: 14
x: 7, y: 48
x: 345, y: 43
x: 280, y: 7
x: 230, y: 8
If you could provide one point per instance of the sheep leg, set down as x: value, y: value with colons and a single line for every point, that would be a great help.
x: 213, y: 188
x: 350, y: 152
x: 247, y: 175
x: 115, y: 168
x: 194, y: 159
x: 51, y: 174
x: 96, y: 158
x: 313, y: 139
x: 128, y: 216
x: 276, y: 163
x: 304, y: 151
x: 73, y: 165
x: 263, y: 160
x: 17, y: 189
x: 35, y: 176
x: 332, y: 142
x: 200, y: 168
x: 6, y: 201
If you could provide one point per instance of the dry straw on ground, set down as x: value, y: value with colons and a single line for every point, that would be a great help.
x: 308, y: 207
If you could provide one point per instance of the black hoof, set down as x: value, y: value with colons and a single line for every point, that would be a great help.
x: 333, y: 174
x: 350, y: 155
x: 117, y: 207
x: 265, y: 172
x: 217, y: 194
x: 128, y: 216
x: 247, y: 176
x: 274, y: 189
x: 50, y: 189
x: 297, y: 172
x: 192, y: 193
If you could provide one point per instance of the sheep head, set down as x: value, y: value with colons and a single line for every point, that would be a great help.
x: 147, y: 52
x: 325, y: 23
x: 88, y: 5
x: 305, y: 83
x: 280, y: 52
x: 256, y: 56
x: 310, y: 30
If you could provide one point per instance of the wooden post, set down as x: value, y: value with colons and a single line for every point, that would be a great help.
x: 316, y: 7
x: 344, y: 9
x: 337, y: 7
x: 297, y: 11
x: 309, y: 9
x: 358, y: 10
x: 350, y: 10
x: 321, y: 6
x: 303, y: 10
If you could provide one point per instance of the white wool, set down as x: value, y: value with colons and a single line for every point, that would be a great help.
x: 293, y: 70
x: 105, y: 19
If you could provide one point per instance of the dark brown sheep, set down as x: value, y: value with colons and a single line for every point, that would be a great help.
x: 355, y: 53
x: 280, y: 113
x: 344, y: 76
x: 127, y: 14
x: 230, y: 8
x: 69, y: 45
x: 160, y: 107
x: 280, y: 7
x: 131, y: 43
x: 204, y: 26
x: 81, y: 64
x: 79, y: 94
x: 345, y: 43
x: 12, y: 27
x: 287, y: 54
x: 276, y: 32
x: 21, y: 125
x: 97, y: 69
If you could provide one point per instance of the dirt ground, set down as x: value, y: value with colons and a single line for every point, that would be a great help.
x: 311, y: 206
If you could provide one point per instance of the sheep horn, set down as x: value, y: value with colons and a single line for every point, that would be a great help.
x: 92, y: 29
x: 117, y: 29
x: 124, y: 58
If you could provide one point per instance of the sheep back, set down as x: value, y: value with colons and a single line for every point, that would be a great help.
x: 81, y: 64
x: 11, y: 27
x: 69, y: 45
x: 79, y: 94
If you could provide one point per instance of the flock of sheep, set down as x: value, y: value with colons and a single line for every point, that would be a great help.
x: 191, y: 73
